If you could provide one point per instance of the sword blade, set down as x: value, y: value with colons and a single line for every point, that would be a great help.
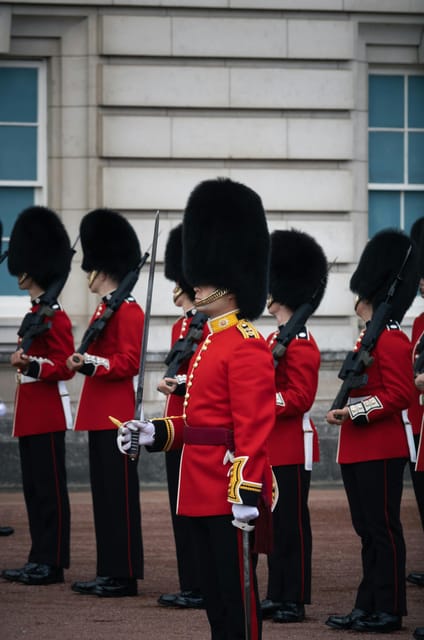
x: 246, y: 575
x: 138, y: 411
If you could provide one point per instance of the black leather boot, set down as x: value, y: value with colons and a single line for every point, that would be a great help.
x: 345, y: 622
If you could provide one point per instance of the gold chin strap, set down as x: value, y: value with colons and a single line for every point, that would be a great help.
x: 176, y: 293
x: 215, y: 295
x: 92, y: 276
x: 22, y: 277
x: 269, y: 301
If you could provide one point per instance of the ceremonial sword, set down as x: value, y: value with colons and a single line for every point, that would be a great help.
x: 138, y: 411
x: 246, y: 528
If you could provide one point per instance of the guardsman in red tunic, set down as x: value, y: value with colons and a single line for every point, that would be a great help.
x: 416, y: 410
x: 111, y: 249
x: 373, y: 444
x: 298, y: 276
x: 173, y: 388
x: 40, y: 255
x: 229, y: 406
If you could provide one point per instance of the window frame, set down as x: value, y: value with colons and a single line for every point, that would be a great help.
x: 40, y: 183
x: 15, y: 305
x: 402, y: 187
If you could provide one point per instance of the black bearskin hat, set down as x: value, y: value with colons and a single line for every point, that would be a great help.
x: 417, y: 235
x: 174, y: 260
x: 298, y: 270
x: 226, y: 242
x: 39, y: 246
x: 379, y: 264
x: 109, y: 243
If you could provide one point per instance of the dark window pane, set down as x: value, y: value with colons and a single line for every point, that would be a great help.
x: 385, y: 157
x: 385, y: 100
x: 416, y: 158
x: 13, y: 200
x: 18, y: 153
x: 416, y: 102
x: 414, y: 208
x: 383, y: 210
x: 18, y: 94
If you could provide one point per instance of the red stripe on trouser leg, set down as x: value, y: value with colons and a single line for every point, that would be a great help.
x: 390, y: 534
x: 127, y: 513
x: 59, y: 503
x: 301, y: 536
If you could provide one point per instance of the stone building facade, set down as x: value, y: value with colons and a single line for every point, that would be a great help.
x: 129, y: 104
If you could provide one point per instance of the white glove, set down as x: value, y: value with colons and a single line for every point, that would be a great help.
x: 146, y: 434
x: 244, y: 512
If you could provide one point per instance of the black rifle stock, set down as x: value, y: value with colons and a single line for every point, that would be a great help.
x: 290, y: 330
x: 297, y: 321
x: 34, y: 324
x: 353, y: 369
x: 116, y: 299
x: 183, y: 349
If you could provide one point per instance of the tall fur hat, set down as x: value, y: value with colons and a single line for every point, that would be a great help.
x: 39, y: 246
x: 109, y: 243
x: 174, y: 260
x: 298, y: 271
x: 417, y: 235
x: 378, y: 266
x: 226, y: 242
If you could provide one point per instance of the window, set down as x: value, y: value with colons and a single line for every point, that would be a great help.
x: 22, y: 148
x: 395, y: 151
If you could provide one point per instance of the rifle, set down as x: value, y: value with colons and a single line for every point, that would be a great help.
x: 352, y: 371
x: 297, y: 321
x: 33, y: 323
x: 184, y: 348
x: 113, y: 303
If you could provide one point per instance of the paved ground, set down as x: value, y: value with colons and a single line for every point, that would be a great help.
x: 55, y: 613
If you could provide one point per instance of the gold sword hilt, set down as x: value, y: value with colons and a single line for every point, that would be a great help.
x: 135, y: 447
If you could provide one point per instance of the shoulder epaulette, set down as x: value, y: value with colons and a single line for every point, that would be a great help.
x: 247, y: 329
x: 303, y: 334
x: 392, y: 325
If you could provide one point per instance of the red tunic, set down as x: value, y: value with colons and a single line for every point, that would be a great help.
x: 110, y: 390
x: 38, y: 405
x: 388, y: 391
x: 415, y: 411
x: 231, y: 386
x: 296, y: 380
